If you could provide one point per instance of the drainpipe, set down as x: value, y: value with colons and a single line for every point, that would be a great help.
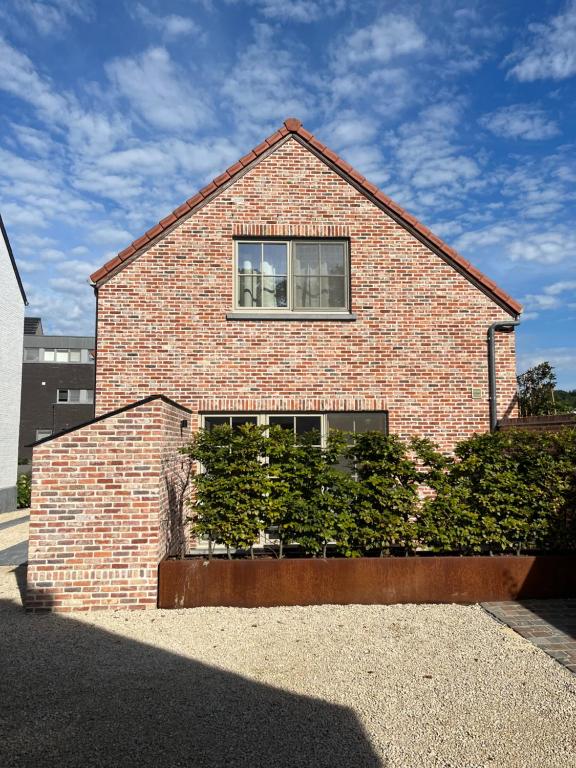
x: 503, y: 327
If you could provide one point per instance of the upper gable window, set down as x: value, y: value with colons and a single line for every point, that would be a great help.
x: 297, y: 275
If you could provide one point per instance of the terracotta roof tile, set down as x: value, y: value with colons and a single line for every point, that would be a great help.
x: 194, y: 201
x: 165, y: 223
x: 181, y: 210
x: 151, y: 234
x: 261, y: 148
x: 294, y: 126
x: 247, y: 159
x: 219, y: 180
x: 208, y: 189
x: 234, y: 169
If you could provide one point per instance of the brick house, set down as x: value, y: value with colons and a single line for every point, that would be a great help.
x: 289, y: 290
x: 291, y: 285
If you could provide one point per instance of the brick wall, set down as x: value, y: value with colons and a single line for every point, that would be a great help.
x: 417, y: 347
x: 106, y: 508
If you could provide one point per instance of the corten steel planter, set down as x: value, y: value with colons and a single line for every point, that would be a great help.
x: 366, y: 581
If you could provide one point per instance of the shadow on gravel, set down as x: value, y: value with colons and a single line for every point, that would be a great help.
x: 75, y: 695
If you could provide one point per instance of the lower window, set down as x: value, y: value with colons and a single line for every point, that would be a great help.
x: 300, y: 423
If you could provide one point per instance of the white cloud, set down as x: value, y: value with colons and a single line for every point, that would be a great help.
x: 551, y: 51
x: 389, y: 37
x: 160, y: 93
x: 169, y: 27
x: 267, y: 83
x: 520, y: 121
x: 554, y: 296
x: 431, y: 169
x: 19, y: 77
x: 68, y: 311
x: 50, y: 17
x: 304, y: 11
x: 549, y: 247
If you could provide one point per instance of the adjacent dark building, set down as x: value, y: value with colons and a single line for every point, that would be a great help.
x: 57, y: 384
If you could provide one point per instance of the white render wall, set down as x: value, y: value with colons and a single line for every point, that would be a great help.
x: 11, y: 333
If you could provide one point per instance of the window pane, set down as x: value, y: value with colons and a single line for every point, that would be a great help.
x: 333, y: 292
x: 249, y: 257
x: 371, y: 422
x: 307, y: 424
x: 31, y: 355
x: 61, y: 355
x: 307, y: 259
x: 239, y: 420
x: 215, y: 421
x: 249, y: 291
x: 342, y: 421
x: 42, y: 433
x: 49, y: 355
x: 275, y: 261
x: 62, y: 395
x: 274, y: 292
x: 286, y: 422
x: 89, y: 396
x: 307, y: 292
x: 359, y: 421
x: 74, y: 355
x: 74, y: 395
x: 332, y: 260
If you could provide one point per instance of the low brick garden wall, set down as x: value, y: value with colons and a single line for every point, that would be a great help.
x: 366, y: 581
x: 107, y: 508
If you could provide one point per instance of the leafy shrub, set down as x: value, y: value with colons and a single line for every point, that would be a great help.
x: 311, y: 499
x: 387, y: 493
x: 506, y: 491
x: 233, y: 490
x: 502, y: 492
x: 23, y: 489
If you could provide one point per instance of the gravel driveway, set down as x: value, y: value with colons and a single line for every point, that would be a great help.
x: 399, y: 686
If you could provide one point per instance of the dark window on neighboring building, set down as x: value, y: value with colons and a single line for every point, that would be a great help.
x: 81, y: 396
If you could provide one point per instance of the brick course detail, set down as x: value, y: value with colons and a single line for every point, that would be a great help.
x: 106, y: 508
x: 417, y: 346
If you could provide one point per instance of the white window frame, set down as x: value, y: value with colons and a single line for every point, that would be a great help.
x: 290, y: 308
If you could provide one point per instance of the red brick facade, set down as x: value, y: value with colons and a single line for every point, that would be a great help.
x: 107, y: 498
x: 417, y: 347
x: 106, y: 508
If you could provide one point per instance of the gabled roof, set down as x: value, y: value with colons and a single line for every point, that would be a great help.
x: 294, y: 127
x: 13, y: 261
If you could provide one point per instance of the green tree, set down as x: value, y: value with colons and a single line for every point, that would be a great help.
x: 536, y: 390
x: 387, y: 495
x: 311, y: 499
x: 565, y: 400
x: 232, y: 492
x: 446, y: 521
x: 510, y: 480
x: 23, y: 490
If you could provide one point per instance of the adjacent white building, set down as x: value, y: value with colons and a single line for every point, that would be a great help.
x: 12, y: 303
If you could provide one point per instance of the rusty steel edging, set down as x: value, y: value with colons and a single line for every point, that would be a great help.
x: 365, y: 581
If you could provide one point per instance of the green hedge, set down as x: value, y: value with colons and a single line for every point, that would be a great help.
x: 23, y: 489
x: 504, y: 492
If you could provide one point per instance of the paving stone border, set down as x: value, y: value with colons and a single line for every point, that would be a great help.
x: 547, y: 624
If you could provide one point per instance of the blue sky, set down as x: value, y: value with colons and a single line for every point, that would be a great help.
x: 112, y: 113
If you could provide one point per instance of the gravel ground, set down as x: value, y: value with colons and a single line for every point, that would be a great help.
x: 399, y: 686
